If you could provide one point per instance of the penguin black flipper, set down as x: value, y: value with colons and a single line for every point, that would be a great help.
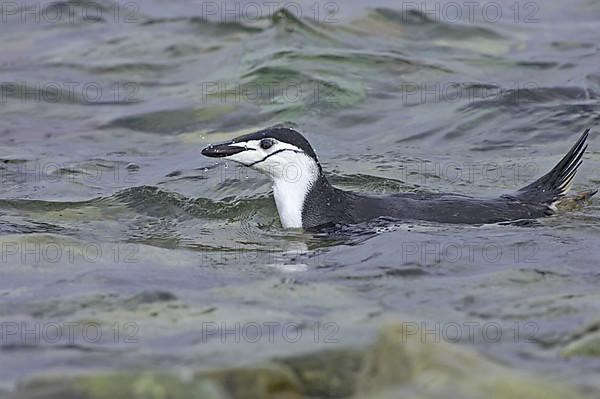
x: 553, y: 186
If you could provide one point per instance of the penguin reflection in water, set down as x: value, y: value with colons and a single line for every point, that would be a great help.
x: 310, y: 201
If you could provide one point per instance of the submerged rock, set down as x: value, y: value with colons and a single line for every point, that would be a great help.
x: 263, y: 381
x: 402, y: 364
x: 120, y: 386
x: 330, y: 373
x: 588, y: 345
x: 150, y: 297
x: 398, y: 364
x: 585, y: 342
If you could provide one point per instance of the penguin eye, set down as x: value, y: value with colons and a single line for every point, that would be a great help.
x: 265, y: 144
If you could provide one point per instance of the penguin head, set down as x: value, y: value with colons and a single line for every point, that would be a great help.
x: 286, y: 157
x: 280, y: 153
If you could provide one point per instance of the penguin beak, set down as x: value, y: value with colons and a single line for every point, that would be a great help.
x: 223, y: 150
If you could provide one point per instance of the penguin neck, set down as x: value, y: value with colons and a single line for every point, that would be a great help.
x: 310, y: 203
x: 291, y: 193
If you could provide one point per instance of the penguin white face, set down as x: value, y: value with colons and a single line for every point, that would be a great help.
x: 279, y: 153
x: 282, y: 154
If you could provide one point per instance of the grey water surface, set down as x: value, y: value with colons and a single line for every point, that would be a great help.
x: 112, y: 222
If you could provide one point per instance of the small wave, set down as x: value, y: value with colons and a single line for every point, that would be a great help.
x: 417, y: 22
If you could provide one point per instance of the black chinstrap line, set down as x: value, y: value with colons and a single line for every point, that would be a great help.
x: 270, y: 155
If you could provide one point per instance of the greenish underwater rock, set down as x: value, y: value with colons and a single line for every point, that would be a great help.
x: 587, y: 345
x: 263, y: 381
x: 399, y: 364
x: 327, y: 374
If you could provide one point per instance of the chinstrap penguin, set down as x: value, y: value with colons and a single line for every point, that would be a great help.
x: 305, y: 198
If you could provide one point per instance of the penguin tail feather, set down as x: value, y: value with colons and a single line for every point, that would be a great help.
x: 554, y: 186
